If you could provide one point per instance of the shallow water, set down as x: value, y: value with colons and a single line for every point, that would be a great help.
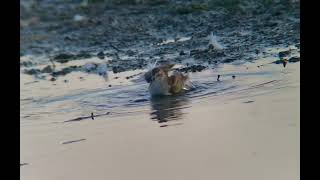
x: 44, y: 101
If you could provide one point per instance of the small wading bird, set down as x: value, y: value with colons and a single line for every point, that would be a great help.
x: 163, y: 84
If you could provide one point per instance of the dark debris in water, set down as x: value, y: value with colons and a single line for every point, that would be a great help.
x: 23, y: 164
x: 139, y: 100
x: 73, y: 141
x: 87, y: 117
x: 248, y: 102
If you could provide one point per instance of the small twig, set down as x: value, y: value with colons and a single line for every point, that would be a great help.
x: 73, y: 141
x: 86, y: 117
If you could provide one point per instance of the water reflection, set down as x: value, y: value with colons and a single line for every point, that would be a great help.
x: 168, y: 108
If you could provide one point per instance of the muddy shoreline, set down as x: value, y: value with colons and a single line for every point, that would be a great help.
x: 128, y: 37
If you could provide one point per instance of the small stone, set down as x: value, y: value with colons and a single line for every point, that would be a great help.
x: 63, y: 57
x: 110, y: 85
x: 182, y: 53
x: 233, y: 76
x: 100, y: 55
x: 294, y: 59
x: 67, y: 38
x: 53, y: 79
x: 65, y: 81
x: 83, y: 55
x: 284, y: 54
x: 26, y: 63
x: 32, y: 71
x: 114, y: 70
x: 130, y: 52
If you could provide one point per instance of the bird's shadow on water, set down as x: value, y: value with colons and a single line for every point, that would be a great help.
x: 168, y: 108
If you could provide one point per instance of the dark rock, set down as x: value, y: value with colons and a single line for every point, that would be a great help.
x: 272, y: 24
x: 284, y: 54
x: 110, y: 85
x: 117, y: 69
x: 53, y: 79
x: 294, y: 59
x: 63, y: 58
x: 197, y: 51
x: 100, y: 55
x: 233, y: 76
x: 26, y: 63
x: 83, y: 55
x: 130, y: 53
x: 228, y: 60
x: 67, y: 38
x: 65, y: 81
x: 47, y: 69
x: 182, y: 53
x: 114, y: 70
x: 193, y: 68
x: 32, y: 71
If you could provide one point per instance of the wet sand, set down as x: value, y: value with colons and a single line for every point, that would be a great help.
x: 245, y: 135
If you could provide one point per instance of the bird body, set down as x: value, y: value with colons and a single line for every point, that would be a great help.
x: 163, y: 84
